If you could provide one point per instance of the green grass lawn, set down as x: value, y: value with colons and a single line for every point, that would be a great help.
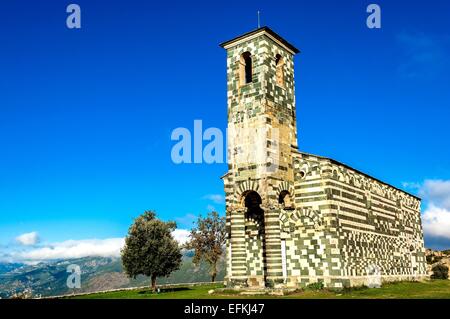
x: 403, y: 290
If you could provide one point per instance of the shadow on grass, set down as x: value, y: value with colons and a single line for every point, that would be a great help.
x: 163, y: 290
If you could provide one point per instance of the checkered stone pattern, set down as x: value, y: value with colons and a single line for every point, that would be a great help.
x: 339, y: 222
x: 255, y: 258
x: 266, y: 109
x: 312, y: 253
x: 261, y: 105
x: 255, y: 262
x: 374, y: 224
x: 371, y: 249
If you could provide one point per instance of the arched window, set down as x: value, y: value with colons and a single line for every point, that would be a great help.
x: 245, y: 68
x: 285, y: 200
x: 279, y: 63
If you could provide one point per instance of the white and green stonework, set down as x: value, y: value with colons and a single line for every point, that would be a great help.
x: 294, y: 218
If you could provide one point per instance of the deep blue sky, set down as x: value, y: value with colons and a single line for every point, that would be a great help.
x: 86, y: 115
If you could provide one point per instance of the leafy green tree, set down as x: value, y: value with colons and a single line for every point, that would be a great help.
x: 150, y: 248
x: 208, y: 240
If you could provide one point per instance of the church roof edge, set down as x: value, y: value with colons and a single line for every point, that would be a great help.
x: 360, y: 172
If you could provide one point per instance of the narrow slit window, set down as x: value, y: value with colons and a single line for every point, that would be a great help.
x: 279, y: 63
x: 246, y: 71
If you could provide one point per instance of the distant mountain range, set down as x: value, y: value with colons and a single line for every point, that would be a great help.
x: 97, y: 273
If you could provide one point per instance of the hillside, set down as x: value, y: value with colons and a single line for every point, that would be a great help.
x: 97, y: 273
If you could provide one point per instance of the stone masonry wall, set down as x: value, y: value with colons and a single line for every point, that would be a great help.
x: 362, y: 226
x: 337, y: 225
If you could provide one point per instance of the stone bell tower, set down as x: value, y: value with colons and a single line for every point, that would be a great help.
x: 262, y: 142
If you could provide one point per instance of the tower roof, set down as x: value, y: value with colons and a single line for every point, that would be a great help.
x: 263, y: 30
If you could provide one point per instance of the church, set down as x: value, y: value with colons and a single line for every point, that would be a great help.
x: 294, y: 218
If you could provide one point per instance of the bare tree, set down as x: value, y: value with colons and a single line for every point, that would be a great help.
x: 208, y: 241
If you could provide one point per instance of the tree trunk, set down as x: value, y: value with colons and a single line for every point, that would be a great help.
x: 213, y: 272
x: 153, y: 283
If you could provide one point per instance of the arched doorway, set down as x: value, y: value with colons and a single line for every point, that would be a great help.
x: 255, y: 239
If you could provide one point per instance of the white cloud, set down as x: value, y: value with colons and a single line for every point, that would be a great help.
x: 436, y: 192
x: 411, y: 185
x: 436, y: 217
x: 216, y: 198
x: 181, y: 235
x: 186, y: 220
x: 211, y: 208
x: 72, y: 249
x: 28, y: 239
x: 436, y: 222
x: 424, y: 55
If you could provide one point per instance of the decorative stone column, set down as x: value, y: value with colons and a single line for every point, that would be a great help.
x: 273, y: 247
x: 238, y: 249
